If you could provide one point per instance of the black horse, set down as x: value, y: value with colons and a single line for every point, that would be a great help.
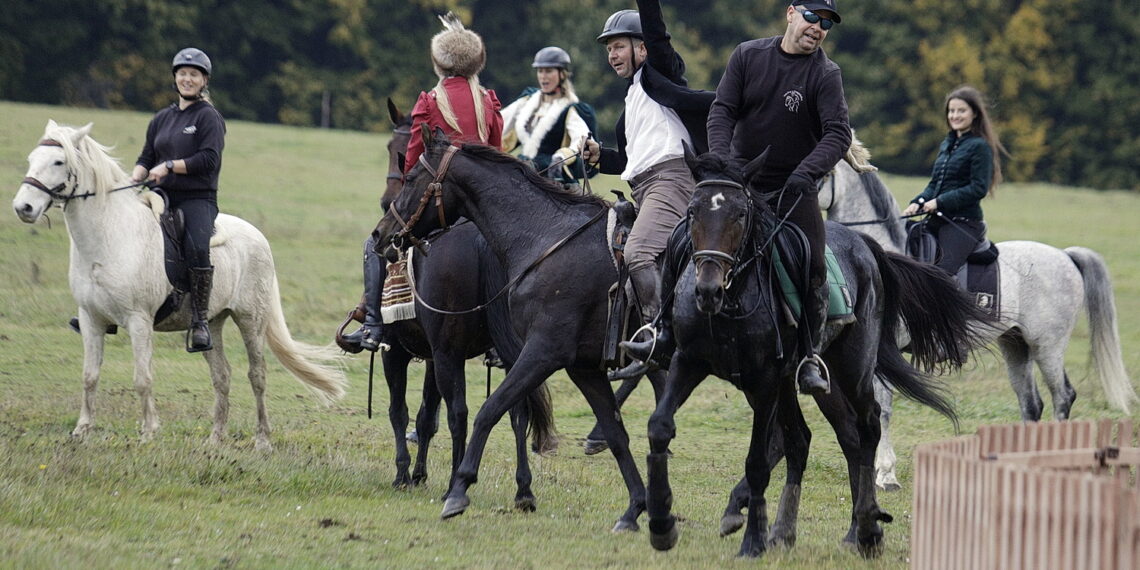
x: 729, y: 321
x: 462, y: 273
x: 556, y: 255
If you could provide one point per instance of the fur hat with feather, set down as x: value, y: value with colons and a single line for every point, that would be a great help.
x: 457, y: 50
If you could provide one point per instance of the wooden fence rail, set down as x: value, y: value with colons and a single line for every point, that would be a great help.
x: 1037, y: 495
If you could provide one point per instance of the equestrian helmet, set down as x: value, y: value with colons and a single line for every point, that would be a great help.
x: 193, y: 57
x: 622, y: 23
x: 552, y: 56
x: 457, y: 51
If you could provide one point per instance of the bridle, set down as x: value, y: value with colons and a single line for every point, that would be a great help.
x: 56, y: 192
x: 434, y: 189
x: 729, y: 263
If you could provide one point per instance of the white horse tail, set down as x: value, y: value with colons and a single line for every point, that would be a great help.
x: 1103, y: 333
x: 305, y: 361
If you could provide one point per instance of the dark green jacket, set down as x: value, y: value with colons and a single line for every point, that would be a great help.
x: 961, y: 177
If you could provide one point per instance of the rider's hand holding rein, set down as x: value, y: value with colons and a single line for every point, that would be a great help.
x: 927, y: 206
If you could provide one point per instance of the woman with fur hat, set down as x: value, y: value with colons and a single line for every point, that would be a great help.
x: 548, y: 124
x: 458, y: 104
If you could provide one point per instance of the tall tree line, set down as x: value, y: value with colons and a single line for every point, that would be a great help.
x: 1063, y: 75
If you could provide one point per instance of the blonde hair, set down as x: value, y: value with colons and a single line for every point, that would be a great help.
x: 477, y: 95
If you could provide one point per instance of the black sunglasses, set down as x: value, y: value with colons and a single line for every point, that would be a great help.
x: 813, y: 18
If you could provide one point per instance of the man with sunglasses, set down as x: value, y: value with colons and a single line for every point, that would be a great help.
x: 784, y: 93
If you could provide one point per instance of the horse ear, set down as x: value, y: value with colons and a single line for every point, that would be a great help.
x: 690, y: 156
x: 82, y: 132
x: 756, y: 165
x: 51, y: 125
x: 401, y: 160
x: 393, y: 113
x: 425, y: 134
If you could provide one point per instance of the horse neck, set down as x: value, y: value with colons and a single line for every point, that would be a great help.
x: 108, y: 226
x: 854, y: 203
x: 518, y: 220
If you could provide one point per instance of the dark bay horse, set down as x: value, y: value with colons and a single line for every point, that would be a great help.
x: 728, y: 321
x: 460, y: 274
x: 553, y: 247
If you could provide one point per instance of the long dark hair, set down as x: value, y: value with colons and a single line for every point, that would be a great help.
x: 982, y: 125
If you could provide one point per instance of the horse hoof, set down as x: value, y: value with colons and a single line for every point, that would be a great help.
x: 595, y: 446
x: 454, y: 506
x: 665, y: 541
x: 401, y: 482
x: 412, y: 437
x: 625, y: 526
x: 871, y: 550
x: 781, y: 542
x: 731, y: 523
x: 526, y: 504
x: 890, y: 486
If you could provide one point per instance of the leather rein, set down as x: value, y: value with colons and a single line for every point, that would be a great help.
x: 56, y: 192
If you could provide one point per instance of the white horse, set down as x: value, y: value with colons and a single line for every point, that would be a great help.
x: 1042, y: 292
x: 117, y: 276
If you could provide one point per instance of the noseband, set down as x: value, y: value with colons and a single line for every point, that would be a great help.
x: 434, y: 189
x: 729, y: 263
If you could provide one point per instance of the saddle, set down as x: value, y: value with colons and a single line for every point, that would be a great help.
x: 840, y: 304
x: 980, y: 274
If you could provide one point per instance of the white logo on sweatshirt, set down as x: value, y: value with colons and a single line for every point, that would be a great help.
x: 190, y: 130
x: 792, y: 100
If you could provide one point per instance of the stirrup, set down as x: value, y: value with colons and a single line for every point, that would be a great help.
x: 823, y: 371
x: 652, y: 335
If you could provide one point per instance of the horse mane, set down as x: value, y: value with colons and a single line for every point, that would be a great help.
x: 709, y: 166
x: 552, y: 188
x: 94, y: 167
x: 882, y: 202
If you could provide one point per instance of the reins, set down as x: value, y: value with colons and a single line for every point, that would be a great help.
x: 56, y: 191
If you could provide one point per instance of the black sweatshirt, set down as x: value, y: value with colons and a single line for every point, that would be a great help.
x: 794, y: 103
x: 195, y: 134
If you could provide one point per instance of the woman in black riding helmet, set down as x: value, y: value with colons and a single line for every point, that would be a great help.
x: 183, y: 155
x: 548, y: 124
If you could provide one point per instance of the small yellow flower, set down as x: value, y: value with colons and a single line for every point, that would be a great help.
x: 42, y: 466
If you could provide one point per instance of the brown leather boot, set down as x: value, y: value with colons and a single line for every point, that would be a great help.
x: 198, y: 335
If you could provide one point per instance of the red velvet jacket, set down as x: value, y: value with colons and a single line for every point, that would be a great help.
x: 459, y: 94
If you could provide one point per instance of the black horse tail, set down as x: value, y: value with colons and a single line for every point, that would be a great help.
x: 944, y: 323
x: 540, y: 408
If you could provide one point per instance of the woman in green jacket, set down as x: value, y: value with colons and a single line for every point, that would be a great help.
x: 966, y: 170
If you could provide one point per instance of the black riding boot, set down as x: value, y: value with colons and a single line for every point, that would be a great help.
x: 370, y: 334
x: 653, y: 352
x: 198, y: 335
x: 811, y: 374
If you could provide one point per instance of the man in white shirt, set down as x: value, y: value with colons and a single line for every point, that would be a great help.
x: 661, y: 113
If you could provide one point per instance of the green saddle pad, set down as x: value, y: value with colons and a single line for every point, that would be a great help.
x: 840, y: 306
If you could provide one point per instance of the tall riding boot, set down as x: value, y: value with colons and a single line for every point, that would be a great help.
x: 811, y: 374
x: 657, y: 350
x: 198, y: 335
x: 370, y: 334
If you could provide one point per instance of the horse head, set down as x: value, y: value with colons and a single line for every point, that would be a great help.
x: 53, y: 173
x: 720, y: 223
x: 421, y: 206
x: 397, y: 147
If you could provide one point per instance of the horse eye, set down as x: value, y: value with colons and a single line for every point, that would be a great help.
x: 59, y: 163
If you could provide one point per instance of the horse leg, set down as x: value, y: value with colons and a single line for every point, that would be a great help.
x: 451, y: 385
x: 596, y: 441
x: 524, y: 496
x: 92, y: 363
x: 255, y: 353
x: 866, y: 511
x: 427, y: 424
x: 395, y: 362
x: 1020, y: 367
x: 1052, y: 365
x: 683, y: 377
x: 141, y: 331
x: 531, y: 369
x: 596, y: 388
x: 220, y: 377
x: 885, y: 459
x: 758, y: 472
x: 796, y: 444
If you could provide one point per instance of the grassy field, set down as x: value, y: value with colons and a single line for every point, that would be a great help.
x: 322, y: 498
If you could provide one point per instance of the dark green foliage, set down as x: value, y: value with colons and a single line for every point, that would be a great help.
x: 1064, y: 79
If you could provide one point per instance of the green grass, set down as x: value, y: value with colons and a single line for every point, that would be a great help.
x: 322, y: 498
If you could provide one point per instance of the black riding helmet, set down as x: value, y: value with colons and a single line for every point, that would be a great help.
x: 622, y: 23
x: 192, y: 57
x: 552, y: 56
